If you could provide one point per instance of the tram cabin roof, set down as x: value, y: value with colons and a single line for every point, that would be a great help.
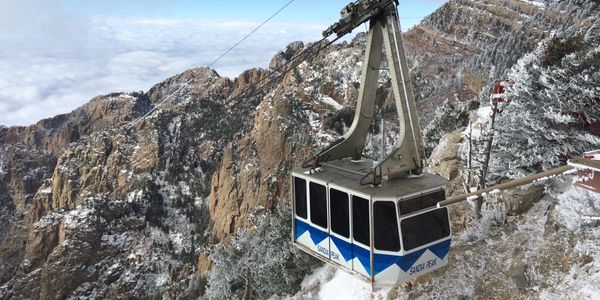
x: 346, y: 174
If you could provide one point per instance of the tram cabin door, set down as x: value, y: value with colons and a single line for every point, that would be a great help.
x: 332, y: 224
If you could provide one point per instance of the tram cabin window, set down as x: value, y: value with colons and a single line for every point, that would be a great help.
x: 300, y: 197
x: 385, y: 222
x: 360, y: 220
x: 340, y: 212
x: 425, y: 228
x: 318, y: 204
x: 421, y: 202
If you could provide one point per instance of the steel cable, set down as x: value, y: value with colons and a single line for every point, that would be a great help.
x: 170, y: 96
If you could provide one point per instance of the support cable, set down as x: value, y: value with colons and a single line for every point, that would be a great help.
x: 294, y: 61
x: 170, y: 96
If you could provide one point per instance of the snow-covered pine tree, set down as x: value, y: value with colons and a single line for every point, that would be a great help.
x: 554, y: 105
x: 447, y: 118
x: 259, y: 263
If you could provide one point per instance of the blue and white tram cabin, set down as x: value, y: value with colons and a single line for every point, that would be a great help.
x: 385, y: 235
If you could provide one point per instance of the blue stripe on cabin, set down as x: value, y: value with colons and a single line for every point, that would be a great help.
x: 407, y: 261
x: 441, y: 250
x: 382, y: 261
x: 301, y: 228
x: 344, y: 247
x: 348, y: 251
x: 364, y: 256
x: 316, y: 235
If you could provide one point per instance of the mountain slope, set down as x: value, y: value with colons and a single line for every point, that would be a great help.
x: 453, y: 36
x: 121, y: 199
x: 94, y: 205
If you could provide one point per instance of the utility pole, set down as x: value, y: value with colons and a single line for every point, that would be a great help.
x: 467, y: 182
x: 486, y: 162
x: 497, y: 98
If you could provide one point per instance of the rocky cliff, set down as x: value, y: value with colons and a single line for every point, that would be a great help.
x: 96, y: 203
x: 111, y: 208
x: 447, y: 42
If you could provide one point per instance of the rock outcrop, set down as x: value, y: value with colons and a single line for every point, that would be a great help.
x: 54, y: 135
x: 444, y: 159
x: 255, y: 170
x: 81, y: 212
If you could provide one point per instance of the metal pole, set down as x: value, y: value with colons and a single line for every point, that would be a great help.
x: 371, y: 242
x: 382, y: 157
x: 293, y: 190
x: 506, y: 185
x: 585, y: 163
x: 470, y: 161
x: 488, y: 148
x: 486, y: 163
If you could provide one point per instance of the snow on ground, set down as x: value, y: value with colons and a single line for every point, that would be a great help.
x: 345, y: 286
x: 479, y: 122
x: 326, y: 282
x: 2, y: 172
x: 322, y: 137
x: 539, y: 4
x: 573, y: 204
x: 45, y: 190
x: 583, y: 281
x: 329, y: 101
x: 583, y: 278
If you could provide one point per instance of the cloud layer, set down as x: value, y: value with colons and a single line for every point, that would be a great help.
x: 53, y: 61
x: 53, y: 64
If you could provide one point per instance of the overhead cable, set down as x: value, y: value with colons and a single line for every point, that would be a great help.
x: 294, y: 62
x: 170, y: 96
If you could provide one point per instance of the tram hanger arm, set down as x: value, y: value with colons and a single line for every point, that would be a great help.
x: 507, y: 185
x: 383, y: 39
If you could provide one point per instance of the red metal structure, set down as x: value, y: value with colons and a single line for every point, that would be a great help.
x: 499, y: 100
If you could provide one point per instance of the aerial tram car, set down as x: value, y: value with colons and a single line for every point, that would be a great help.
x: 378, y: 220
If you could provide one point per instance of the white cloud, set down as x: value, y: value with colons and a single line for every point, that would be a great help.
x: 54, y: 64
x: 52, y: 61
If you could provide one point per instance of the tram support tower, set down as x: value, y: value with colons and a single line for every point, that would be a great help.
x: 384, y: 38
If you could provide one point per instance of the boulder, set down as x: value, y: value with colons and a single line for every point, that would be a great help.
x: 444, y: 159
x: 520, y: 200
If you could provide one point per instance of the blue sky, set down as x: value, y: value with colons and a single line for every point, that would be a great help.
x: 305, y: 11
x: 55, y: 55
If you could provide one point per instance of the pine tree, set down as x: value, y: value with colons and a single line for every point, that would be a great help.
x: 259, y: 263
x: 447, y: 119
x: 553, y: 106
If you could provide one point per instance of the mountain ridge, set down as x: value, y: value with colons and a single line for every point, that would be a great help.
x: 131, y: 208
